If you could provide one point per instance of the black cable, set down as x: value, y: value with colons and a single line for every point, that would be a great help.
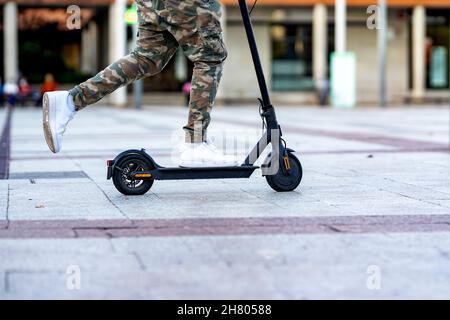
x: 263, y: 119
x: 253, y: 7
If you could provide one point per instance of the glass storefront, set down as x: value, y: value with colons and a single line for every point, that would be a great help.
x: 292, y: 57
x: 437, y: 49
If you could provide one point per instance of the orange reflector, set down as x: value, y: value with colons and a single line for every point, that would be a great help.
x: 143, y: 175
x: 287, y: 165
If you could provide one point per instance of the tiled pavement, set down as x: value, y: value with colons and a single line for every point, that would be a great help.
x: 370, y: 220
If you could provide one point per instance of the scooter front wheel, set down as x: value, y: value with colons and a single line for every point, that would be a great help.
x: 284, y: 181
x: 122, y: 176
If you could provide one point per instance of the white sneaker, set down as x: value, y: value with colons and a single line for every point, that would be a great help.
x: 58, y: 109
x: 203, y: 154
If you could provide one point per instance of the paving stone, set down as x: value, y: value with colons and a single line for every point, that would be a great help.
x: 375, y: 194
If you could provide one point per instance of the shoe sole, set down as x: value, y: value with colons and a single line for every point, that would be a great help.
x: 46, y: 123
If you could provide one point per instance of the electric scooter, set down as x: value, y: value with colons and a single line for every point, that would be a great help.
x: 134, y: 171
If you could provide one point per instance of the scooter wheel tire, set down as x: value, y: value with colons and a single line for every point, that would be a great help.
x: 282, y: 182
x: 127, y: 185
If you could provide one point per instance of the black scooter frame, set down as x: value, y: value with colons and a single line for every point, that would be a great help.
x: 247, y: 168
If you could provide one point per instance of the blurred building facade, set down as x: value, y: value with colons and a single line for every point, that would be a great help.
x: 296, y: 38
x: 36, y: 38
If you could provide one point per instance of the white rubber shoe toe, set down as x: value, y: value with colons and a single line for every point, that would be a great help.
x: 57, y: 113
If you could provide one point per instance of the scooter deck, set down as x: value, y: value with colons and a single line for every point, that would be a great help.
x: 181, y: 173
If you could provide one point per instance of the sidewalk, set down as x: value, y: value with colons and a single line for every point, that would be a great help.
x: 371, y: 218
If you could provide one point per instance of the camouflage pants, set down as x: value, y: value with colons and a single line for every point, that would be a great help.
x: 165, y: 25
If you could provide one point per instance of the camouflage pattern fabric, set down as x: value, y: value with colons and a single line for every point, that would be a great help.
x: 165, y: 25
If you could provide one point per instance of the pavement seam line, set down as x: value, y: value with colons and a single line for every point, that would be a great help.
x: 105, y: 195
x: 7, y: 207
x: 139, y: 260
x: 5, y: 145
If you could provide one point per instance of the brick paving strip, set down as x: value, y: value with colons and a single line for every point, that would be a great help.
x: 223, y: 226
x: 399, y: 143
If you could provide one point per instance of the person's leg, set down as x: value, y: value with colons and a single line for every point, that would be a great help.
x: 154, y: 50
x: 200, y: 36
x: 196, y: 26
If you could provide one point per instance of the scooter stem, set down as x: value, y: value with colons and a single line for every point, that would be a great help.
x: 255, y: 55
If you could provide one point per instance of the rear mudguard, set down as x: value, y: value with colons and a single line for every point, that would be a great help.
x: 112, y: 164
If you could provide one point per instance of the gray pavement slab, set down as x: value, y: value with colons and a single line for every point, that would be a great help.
x: 254, y: 267
x: 375, y: 198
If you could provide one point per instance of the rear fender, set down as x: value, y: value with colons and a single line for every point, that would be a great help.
x: 112, y: 164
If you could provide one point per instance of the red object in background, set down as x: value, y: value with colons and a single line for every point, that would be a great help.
x: 24, y: 87
x: 49, y: 84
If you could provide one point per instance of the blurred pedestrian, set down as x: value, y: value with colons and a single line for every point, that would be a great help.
x: 26, y: 92
x: 49, y: 85
x: 10, y: 90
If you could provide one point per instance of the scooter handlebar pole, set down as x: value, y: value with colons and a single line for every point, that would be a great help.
x: 255, y: 55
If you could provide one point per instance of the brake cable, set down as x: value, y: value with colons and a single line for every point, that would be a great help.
x: 261, y: 114
x: 253, y: 7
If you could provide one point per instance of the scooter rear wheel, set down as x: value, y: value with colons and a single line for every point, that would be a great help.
x: 284, y: 182
x: 122, y: 180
